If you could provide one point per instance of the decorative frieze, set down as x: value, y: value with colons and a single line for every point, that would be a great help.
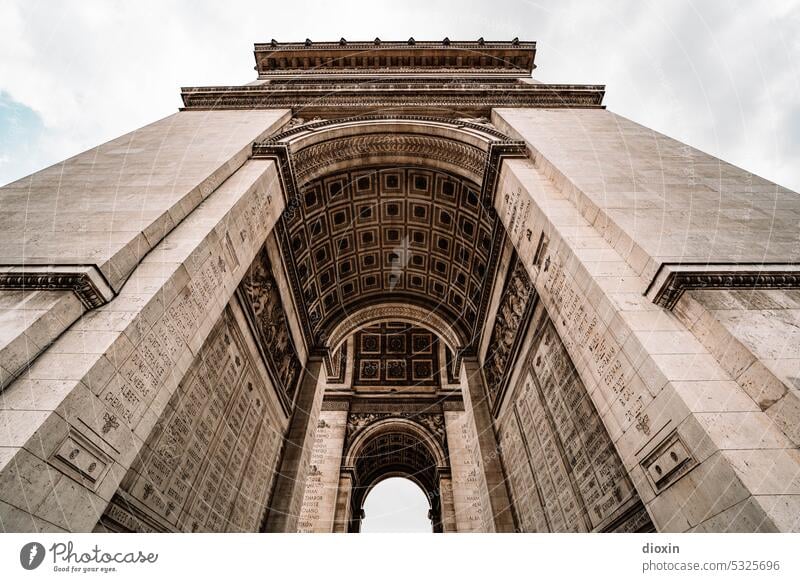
x: 475, y: 100
x: 510, y: 324
x: 262, y: 305
x: 432, y: 421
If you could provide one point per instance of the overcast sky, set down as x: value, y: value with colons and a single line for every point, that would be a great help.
x: 721, y: 75
x: 396, y: 505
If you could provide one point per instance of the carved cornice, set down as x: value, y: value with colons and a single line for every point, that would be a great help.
x: 86, y: 281
x: 672, y: 280
x: 279, y: 152
x: 476, y: 98
x: 297, y: 125
x: 498, y: 151
x: 409, y: 44
x: 506, y: 58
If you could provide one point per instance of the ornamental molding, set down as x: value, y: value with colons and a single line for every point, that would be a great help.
x: 672, y: 279
x: 352, y: 98
x: 299, y: 125
x: 86, y: 281
x: 432, y: 422
x: 315, y: 160
x: 394, y: 311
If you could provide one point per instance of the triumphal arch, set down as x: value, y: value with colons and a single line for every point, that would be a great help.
x: 398, y: 259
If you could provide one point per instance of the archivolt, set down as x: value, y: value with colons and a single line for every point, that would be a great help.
x: 321, y: 147
x: 394, y: 311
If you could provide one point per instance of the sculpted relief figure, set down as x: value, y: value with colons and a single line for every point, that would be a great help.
x: 261, y: 291
x: 514, y: 303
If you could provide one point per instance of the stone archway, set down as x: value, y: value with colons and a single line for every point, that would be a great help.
x: 394, y: 447
x: 188, y: 399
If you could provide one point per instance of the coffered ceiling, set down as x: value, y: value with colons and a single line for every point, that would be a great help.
x: 371, y: 235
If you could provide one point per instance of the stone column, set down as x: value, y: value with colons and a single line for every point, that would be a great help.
x: 701, y: 452
x: 477, y: 403
x: 287, y: 496
x: 448, y: 517
x: 318, y: 509
x: 344, y: 495
x: 101, y: 386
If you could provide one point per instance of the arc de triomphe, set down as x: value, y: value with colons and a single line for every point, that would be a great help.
x: 398, y: 259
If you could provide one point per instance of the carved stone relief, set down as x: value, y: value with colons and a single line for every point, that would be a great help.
x: 509, y: 327
x: 209, y: 462
x: 433, y: 421
x: 262, y: 305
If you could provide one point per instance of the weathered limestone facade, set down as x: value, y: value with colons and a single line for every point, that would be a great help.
x: 398, y: 259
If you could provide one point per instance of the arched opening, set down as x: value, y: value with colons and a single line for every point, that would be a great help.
x: 392, y: 448
x: 396, y: 505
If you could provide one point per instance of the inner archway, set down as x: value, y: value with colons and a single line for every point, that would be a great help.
x: 395, y: 447
x: 396, y: 505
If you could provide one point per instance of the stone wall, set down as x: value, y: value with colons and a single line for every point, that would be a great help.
x: 655, y: 199
x: 755, y: 337
x: 563, y: 471
x: 210, y: 460
x: 100, y: 388
x: 112, y: 204
x: 697, y: 465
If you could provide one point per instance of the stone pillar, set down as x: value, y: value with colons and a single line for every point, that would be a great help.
x: 448, y: 512
x: 116, y: 202
x: 287, y: 497
x: 476, y: 402
x: 318, y: 510
x: 342, y: 516
x: 100, y: 387
x: 702, y: 455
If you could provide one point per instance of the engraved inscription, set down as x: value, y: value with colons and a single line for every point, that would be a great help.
x: 567, y: 474
x: 209, y: 461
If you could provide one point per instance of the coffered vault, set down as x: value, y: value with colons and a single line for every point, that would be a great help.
x: 398, y: 258
x: 387, y: 208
